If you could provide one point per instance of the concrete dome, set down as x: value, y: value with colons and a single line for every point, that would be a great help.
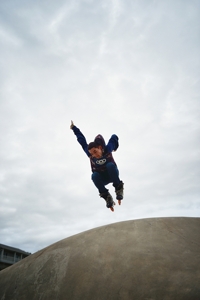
x: 142, y: 259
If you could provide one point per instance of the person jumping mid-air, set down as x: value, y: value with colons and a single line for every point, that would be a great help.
x: 104, y: 168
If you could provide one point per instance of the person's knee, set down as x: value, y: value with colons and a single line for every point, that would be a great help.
x: 113, y: 171
x: 110, y: 166
x: 95, y: 176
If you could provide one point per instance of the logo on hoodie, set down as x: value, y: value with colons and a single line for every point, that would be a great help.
x: 101, y: 161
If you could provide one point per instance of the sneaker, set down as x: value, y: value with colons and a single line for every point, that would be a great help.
x: 108, y: 198
x: 120, y: 191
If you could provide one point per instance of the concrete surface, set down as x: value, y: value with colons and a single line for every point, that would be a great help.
x: 142, y: 259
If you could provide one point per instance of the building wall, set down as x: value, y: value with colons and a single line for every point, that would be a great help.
x: 10, y: 255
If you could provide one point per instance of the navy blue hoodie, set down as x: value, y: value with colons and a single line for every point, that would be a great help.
x: 98, y: 164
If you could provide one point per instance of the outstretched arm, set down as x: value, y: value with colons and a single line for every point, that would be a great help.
x: 80, y: 138
x: 113, y: 143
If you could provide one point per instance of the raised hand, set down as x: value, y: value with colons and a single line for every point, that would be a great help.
x: 72, y: 125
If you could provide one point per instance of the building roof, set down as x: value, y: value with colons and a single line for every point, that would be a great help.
x: 2, y: 246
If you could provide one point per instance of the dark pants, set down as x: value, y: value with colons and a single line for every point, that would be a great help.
x: 103, y: 178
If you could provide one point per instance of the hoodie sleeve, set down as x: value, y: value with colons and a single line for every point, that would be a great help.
x: 113, y: 143
x: 81, y: 139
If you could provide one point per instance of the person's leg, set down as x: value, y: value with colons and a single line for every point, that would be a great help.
x: 100, y: 180
x: 113, y: 174
x: 117, y: 183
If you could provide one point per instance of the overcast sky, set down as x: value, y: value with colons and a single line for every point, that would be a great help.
x: 127, y: 67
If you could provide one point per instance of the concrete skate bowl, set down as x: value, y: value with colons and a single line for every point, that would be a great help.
x: 142, y: 259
